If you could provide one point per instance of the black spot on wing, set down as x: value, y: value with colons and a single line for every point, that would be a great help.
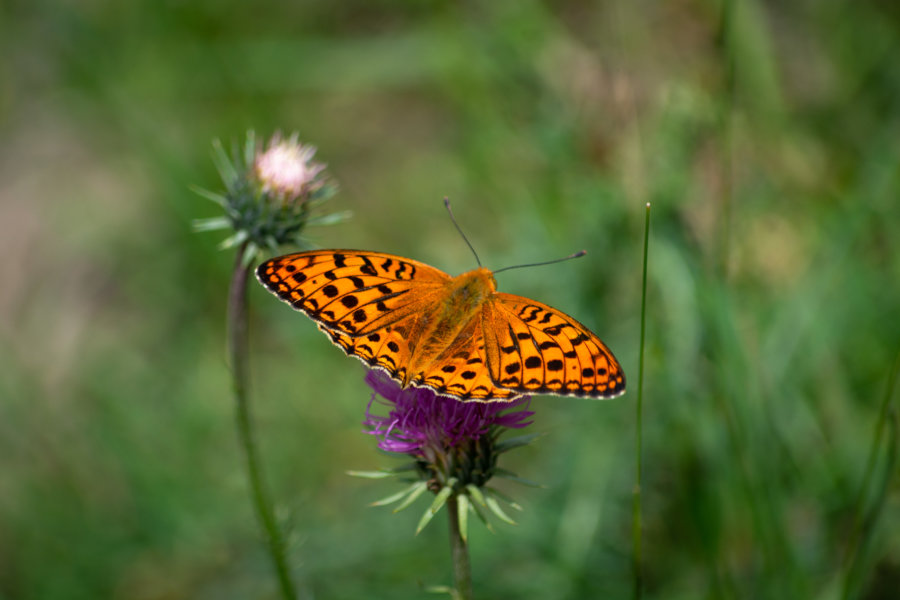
x: 580, y: 339
x: 529, y: 313
x: 368, y: 268
x: 404, y: 271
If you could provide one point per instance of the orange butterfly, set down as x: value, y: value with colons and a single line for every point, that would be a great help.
x: 456, y: 335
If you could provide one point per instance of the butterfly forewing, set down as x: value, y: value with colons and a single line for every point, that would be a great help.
x: 354, y: 292
x: 532, y: 347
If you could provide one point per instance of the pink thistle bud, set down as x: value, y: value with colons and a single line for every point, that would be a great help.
x: 285, y: 170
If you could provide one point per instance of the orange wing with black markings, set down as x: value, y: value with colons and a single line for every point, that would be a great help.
x: 533, y: 348
x: 455, y: 335
x: 351, y: 291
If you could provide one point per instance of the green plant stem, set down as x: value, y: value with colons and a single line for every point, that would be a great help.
x: 859, y: 533
x: 636, y: 506
x: 854, y: 570
x: 237, y: 353
x: 462, y: 570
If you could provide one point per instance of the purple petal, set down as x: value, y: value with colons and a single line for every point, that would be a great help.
x: 419, y: 418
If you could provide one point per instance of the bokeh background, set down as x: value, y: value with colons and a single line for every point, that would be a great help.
x: 765, y: 134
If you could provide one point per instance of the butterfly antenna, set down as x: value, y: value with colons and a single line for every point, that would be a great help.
x: 459, y: 229
x: 540, y: 264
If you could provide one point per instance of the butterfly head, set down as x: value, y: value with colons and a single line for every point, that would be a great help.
x: 474, y: 286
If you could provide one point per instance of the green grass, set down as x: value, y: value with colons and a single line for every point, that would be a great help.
x: 769, y: 145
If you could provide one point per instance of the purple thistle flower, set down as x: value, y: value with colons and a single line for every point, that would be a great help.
x: 447, y: 437
x: 419, y: 417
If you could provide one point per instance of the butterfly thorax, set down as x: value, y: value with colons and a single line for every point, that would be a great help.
x: 452, y: 319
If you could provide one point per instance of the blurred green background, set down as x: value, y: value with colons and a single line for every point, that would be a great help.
x: 766, y: 135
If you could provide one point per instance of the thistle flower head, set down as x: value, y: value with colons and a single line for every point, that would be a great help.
x: 454, y: 445
x: 271, y: 194
x: 285, y: 170
x: 420, y: 422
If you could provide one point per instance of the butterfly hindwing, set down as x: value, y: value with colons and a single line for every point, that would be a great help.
x: 532, y: 347
x: 351, y: 291
x: 461, y: 370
